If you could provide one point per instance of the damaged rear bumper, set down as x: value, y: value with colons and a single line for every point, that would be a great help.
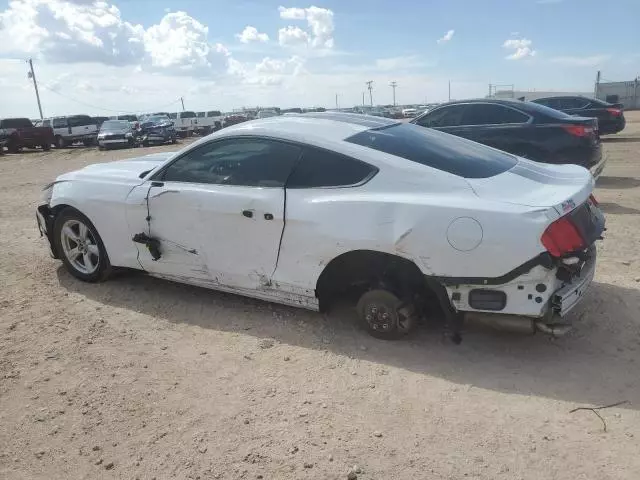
x: 538, y: 300
x: 45, y: 219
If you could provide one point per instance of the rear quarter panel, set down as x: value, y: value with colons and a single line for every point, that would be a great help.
x: 411, y: 221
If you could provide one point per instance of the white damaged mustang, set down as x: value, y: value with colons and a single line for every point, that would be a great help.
x: 301, y: 209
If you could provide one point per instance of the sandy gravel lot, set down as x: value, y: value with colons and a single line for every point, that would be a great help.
x: 141, y: 378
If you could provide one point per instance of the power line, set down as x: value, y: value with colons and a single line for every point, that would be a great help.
x: 159, y: 108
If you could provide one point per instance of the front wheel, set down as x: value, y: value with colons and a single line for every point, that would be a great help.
x: 384, y: 315
x: 80, y: 246
x: 60, y: 142
x: 46, y: 147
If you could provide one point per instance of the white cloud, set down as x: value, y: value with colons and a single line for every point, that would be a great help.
x: 83, y: 31
x: 590, y: 61
x: 251, y: 34
x: 292, y: 36
x: 320, y: 21
x: 68, y: 32
x: 269, y: 65
x: 292, y: 13
x: 521, y: 48
x: 447, y: 36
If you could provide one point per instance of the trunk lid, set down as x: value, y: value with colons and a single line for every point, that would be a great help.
x: 561, y: 187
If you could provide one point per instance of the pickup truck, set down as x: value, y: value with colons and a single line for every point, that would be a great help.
x: 20, y: 133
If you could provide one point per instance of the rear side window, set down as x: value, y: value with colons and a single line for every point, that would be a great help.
x: 80, y: 121
x: 450, y: 116
x: 487, y: 114
x: 574, y: 102
x: 437, y: 150
x: 321, y: 168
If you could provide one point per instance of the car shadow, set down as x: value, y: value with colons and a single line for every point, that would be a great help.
x: 594, y: 364
x: 620, y: 139
x: 617, y: 182
x: 617, y: 209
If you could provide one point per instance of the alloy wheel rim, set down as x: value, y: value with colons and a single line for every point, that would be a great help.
x: 80, y: 246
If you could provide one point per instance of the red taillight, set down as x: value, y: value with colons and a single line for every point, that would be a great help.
x: 616, y: 112
x: 562, y: 237
x: 593, y: 200
x: 579, y: 130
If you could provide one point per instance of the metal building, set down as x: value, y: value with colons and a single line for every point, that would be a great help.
x: 626, y: 93
x: 528, y: 95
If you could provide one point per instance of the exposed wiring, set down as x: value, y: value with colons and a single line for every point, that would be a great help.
x: 158, y: 108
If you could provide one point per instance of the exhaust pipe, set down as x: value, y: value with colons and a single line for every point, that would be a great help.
x: 516, y: 324
x: 503, y: 322
x: 553, y: 330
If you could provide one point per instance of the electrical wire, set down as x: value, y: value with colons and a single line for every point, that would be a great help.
x: 156, y: 109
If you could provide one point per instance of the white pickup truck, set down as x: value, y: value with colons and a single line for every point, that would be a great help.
x: 208, y: 122
x: 185, y: 122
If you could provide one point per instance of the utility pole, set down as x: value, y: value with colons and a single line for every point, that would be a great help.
x: 394, y: 84
x: 363, y: 99
x: 597, y: 87
x: 370, y: 87
x: 449, y: 90
x: 182, y: 100
x: 32, y: 76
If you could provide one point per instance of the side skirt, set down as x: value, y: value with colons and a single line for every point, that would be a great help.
x: 265, y: 293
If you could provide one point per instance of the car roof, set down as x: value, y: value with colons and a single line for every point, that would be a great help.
x: 530, y: 108
x: 324, y: 125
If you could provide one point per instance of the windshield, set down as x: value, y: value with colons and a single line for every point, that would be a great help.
x: 111, y: 125
x: 157, y: 119
x: 436, y: 150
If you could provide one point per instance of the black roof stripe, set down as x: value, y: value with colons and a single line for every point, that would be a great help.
x: 355, y: 118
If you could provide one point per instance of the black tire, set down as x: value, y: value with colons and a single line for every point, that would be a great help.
x: 101, y: 148
x: 103, y: 268
x: 145, y: 143
x: 60, y: 142
x: 173, y: 141
x: 384, y: 315
x: 46, y: 147
x: 13, y: 147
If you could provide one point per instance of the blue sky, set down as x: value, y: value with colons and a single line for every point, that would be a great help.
x: 134, y: 55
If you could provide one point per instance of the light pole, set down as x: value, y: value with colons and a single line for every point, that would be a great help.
x: 394, y: 84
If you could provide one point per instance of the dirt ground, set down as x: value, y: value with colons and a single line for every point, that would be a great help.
x: 142, y: 378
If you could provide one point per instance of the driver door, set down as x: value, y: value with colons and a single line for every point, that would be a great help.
x: 218, y: 212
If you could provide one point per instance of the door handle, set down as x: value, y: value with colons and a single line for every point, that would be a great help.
x: 268, y: 216
x: 247, y: 213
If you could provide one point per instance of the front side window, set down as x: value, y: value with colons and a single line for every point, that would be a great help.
x: 46, y: 123
x: 60, y: 122
x: 488, y: 114
x: 322, y: 168
x: 240, y: 161
x: 450, y: 116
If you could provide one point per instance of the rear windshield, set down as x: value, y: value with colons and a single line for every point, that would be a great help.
x: 437, y: 150
x: 15, y: 123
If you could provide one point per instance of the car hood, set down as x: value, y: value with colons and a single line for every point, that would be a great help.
x: 130, y: 169
x: 562, y: 187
